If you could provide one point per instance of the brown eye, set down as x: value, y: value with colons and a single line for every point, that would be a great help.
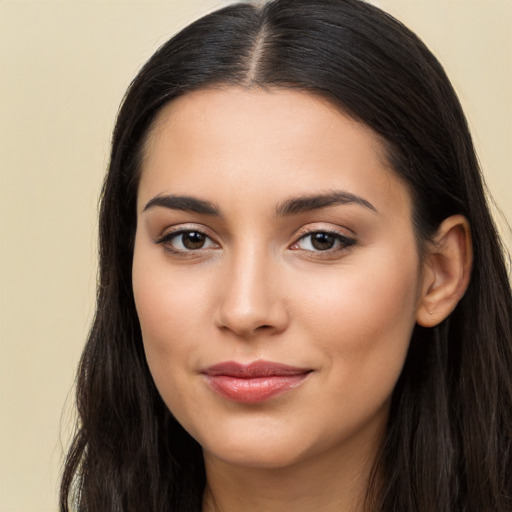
x: 193, y: 240
x: 323, y: 241
x: 186, y: 241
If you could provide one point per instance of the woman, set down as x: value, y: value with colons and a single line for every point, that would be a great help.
x: 303, y: 302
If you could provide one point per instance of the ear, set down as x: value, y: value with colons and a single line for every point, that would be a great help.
x: 446, y: 271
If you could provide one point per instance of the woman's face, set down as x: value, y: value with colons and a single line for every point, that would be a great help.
x: 276, y: 275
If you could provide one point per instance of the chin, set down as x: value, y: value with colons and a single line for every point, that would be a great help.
x: 275, y: 456
x: 253, y: 449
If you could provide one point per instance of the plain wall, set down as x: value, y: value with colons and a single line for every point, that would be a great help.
x: 64, y: 66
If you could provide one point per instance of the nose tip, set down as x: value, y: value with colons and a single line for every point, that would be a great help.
x: 251, y: 304
x: 246, y: 322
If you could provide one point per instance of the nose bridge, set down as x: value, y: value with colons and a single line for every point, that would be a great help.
x: 250, y: 298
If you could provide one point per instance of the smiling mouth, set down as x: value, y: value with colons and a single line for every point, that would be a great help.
x: 257, y: 382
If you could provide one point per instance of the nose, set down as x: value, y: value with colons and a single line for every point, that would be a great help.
x: 252, y: 301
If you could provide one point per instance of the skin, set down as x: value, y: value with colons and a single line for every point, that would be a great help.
x: 259, y: 289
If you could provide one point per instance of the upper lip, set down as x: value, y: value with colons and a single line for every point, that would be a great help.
x: 253, y: 370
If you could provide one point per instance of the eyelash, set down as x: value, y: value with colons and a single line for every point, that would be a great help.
x: 342, y: 242
x: 166, y: 241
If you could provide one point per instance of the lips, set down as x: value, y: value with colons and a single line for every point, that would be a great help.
x: 253, y: 383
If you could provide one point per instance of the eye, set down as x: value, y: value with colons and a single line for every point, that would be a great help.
x: 186, y: 241
x: 323, y: 241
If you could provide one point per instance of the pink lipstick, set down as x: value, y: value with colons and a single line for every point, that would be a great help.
x: 253, y: 383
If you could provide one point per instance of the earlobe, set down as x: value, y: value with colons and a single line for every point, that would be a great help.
x: 447, y: 269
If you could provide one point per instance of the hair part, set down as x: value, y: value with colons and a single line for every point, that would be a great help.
x: 448, y: 443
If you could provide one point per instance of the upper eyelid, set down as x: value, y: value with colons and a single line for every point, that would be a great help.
x: 323, y: 228
x: 341, y: 236
x: 167, y: 238
x: 168, y: 235
x: 299, y: 234
x: 183, y: 228
x: 347, y: 240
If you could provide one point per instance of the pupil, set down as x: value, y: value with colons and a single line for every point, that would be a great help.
x: 322, y: 241
x: 193, y: 240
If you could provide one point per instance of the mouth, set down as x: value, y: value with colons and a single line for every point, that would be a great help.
x: 257, y: 382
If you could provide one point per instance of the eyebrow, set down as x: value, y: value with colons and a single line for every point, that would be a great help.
x: 185, y: 203
x: 302, y: 204
x: 291, y: 206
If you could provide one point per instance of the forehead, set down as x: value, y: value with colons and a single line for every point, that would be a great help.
x: 255, y: 115
x: 266, y: 143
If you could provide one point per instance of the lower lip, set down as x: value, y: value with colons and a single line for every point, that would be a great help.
x: 256, y: 389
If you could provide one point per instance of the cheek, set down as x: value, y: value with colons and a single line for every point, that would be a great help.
x: 363, y: 315
x: 164, y: 313
x: 170, y: 319
x: 169, y: 306
x: 362, y: 323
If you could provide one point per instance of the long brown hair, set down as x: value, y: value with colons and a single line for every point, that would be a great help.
x: 449, y: 438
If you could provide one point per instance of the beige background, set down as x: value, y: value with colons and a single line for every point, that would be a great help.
x: 64, y: 66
